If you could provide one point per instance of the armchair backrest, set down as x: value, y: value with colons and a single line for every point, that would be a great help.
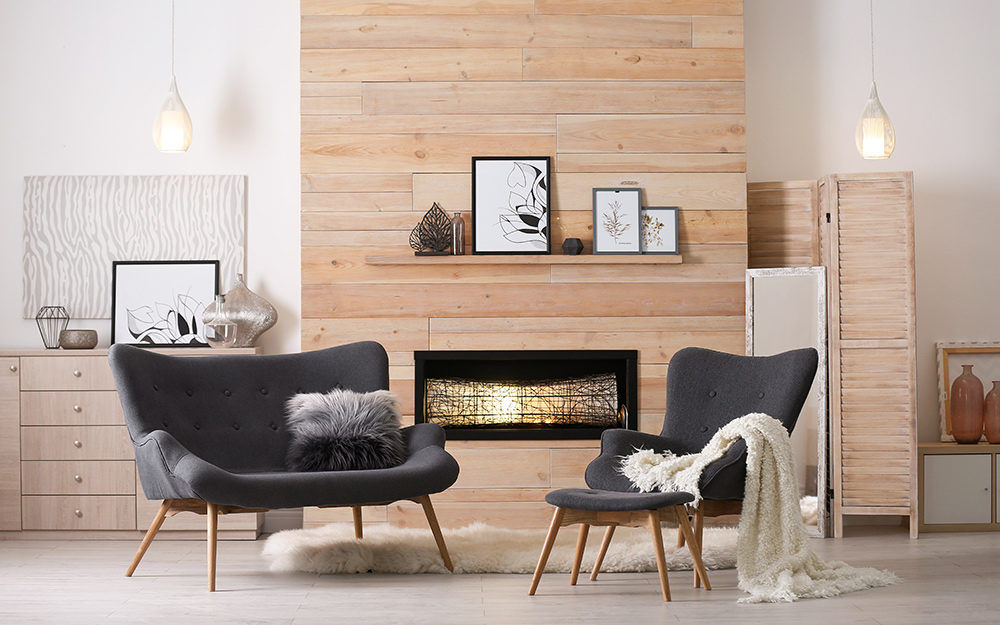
x: 230, y: 410
x: 707, y: 389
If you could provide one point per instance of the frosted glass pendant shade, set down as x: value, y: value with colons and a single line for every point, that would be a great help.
x: 875, y: 136
x: 172, y: 128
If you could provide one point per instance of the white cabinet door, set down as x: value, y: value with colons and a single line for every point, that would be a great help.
x: 957, y: 489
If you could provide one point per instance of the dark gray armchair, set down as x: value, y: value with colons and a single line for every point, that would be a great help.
x: 706, y: 390
x: 210, y: 437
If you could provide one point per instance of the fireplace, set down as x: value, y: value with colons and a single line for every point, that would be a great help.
x: 559, y: 394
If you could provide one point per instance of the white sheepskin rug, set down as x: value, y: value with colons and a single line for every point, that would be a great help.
x: 479, y: 548
x: 774, y: 560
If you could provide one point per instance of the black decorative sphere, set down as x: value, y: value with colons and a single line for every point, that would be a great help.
x: 572, y: 247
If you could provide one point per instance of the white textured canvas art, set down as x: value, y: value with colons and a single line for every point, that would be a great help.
x: 76, y: 226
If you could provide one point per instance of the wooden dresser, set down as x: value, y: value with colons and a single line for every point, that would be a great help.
x: 66, y: 461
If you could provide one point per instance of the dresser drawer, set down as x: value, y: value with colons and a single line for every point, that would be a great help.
x: 78, y: 513
x: 66, y: 373
x: 84, y: 477
x: 96, y: 442
x: 71, y: 408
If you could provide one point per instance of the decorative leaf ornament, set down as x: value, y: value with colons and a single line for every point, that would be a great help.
x: 432, y: 236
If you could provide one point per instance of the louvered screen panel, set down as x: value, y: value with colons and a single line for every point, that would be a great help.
x: 873, y: 365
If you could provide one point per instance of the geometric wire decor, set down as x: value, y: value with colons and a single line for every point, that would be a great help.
x: 586, y: 401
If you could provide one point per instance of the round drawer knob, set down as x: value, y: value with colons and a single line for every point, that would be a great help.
x: 77, y: 373
x: 77, y: 478
x: 13, y: 368
x: 78, y: 513
x: 77, y: 409
x: 77, y: 444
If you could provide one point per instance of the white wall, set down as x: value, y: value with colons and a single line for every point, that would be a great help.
x: 81, y: 85
x: 808, y: 72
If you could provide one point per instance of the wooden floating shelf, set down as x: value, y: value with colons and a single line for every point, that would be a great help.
x: 529, y: 259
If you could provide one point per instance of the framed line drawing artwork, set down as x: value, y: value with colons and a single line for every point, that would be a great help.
x: 510, y: 205
x: 658, y: 227
x: 161, y: 303
x: 616, y: 221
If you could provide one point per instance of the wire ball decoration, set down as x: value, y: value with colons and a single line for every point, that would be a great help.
x: 586, y: 401
x: 51, y: 320
x: 432, y: 236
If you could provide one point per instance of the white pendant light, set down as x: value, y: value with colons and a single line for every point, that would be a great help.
x: 172, y: 128
x: 875, y: 137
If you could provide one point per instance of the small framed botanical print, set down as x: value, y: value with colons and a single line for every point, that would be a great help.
x: 616, y: 221
x: 510, y: 205
x: 659, y: 230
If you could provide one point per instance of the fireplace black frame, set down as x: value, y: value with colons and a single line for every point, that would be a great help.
x: 527, y: 365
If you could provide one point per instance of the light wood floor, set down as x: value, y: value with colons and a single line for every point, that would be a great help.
x: 948, y: 578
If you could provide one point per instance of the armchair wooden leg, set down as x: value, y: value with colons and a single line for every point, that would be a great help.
x: 359, y: 531
x: 694, y: 546
x: 661, y: 558
x: 699, y: 531
x: 154, y: 527
x: 581, y: 545
x: 213, y: 534
x: 608, y: 535
x: 425, y: 501
x: 550, y: 539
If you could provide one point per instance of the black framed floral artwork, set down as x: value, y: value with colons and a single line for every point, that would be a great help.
x: 161, y: 303
x: 510, y: 205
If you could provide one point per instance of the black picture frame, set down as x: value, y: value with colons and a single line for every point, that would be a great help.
x: 160, y: 303
x: 616, y: 220
x: 511, y: 205
x: 658, y: 227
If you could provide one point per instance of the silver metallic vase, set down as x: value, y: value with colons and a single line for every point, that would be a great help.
x: 252, y: 314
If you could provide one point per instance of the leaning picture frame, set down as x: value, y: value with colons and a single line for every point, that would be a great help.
x: 510, y: 205
x: 985, y: 360
x: 616, y: 221
x: 658, y: 230
x: 161, y: 303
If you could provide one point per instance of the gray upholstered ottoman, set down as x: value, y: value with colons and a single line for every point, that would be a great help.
x: 588, y: 506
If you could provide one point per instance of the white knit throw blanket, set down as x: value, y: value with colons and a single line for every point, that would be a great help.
x: 773, y: 558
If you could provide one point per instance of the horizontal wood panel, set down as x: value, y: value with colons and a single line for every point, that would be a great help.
x: 492, y: 31
x: 375, y: 201
x: 642, y: 7
x: 398, y: 64
x: 717, y: 32
x: 652, y: 133
x: 357, y: 183
x: 651, y: 162
x: 633, y: 63
x: 553, y: 97
x: 433, y: 124
x: 461, y: 300
x: 409, y: 153
x: 414, y: 7
x: 395, y: 335
x: 521, y: 468
x: 350, y: 105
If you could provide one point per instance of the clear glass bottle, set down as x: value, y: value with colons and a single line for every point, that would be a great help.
x: 457, y: 235
x: 220, y: 331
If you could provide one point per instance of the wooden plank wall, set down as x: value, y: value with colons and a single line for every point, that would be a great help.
x: 396, y: 99
x: 783, y: 224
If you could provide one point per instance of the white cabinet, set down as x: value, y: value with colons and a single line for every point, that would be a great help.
x: 957, y: 487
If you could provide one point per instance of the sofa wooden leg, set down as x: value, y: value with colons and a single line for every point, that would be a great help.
x: 359, y: 531
x: 425, y: 501
x: 212, y: 540
x: 154, y: 527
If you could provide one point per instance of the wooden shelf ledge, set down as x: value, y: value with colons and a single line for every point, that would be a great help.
x: 529, y: 259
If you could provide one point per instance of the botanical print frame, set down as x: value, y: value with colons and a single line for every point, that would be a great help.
x: 616, y: 221
x: 985, y: 360
x: 658, y: 228
x: 161, y: 303
x: 510, y: 205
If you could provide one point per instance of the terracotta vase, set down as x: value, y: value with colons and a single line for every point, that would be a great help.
x: 967, y: 406
x: 991, y: 414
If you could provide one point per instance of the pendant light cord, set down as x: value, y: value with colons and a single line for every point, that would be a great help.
x: 871, y: 22
x: 172, y: 40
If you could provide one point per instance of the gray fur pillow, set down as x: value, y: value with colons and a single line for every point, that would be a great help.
x: 343, y: 430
